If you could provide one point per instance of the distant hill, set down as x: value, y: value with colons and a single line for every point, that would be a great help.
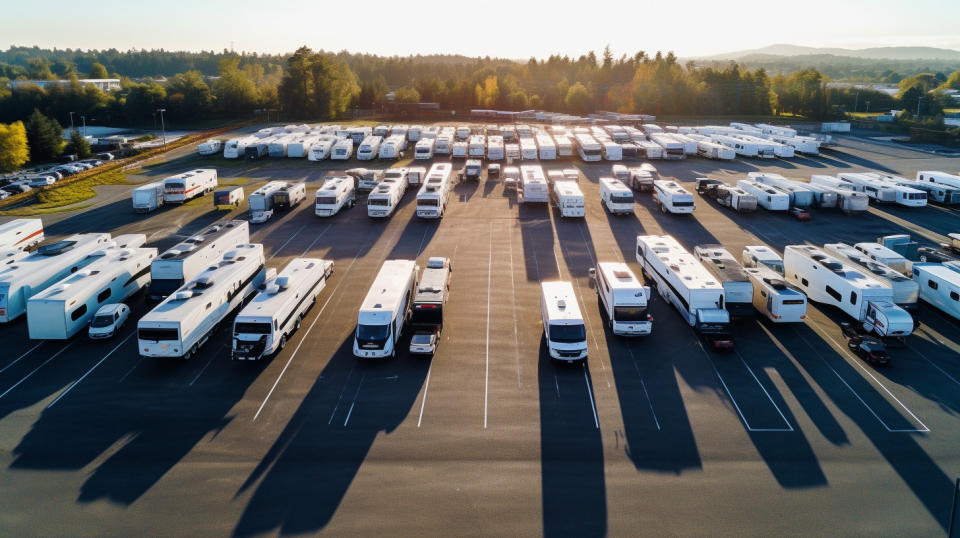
x: 875, y: 53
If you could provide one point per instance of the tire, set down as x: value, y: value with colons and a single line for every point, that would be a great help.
x: 283, y: 343
x: 296, y: 324
x: 663, y: 209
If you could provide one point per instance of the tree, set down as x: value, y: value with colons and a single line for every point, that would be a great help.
x: 97, y: 70
x: 44, y: 136
x: 13, y: 146
x: 188, y: 96
x: 317, y: 84
x: 406, y: 95
x: 143, y: 100
x: 578, y: 99
x: 234, y: 91
x: 78, y: 145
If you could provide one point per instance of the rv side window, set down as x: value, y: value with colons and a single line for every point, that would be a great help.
x: 79, y: 312
x: 853, y: 297
x: 834, y: 293
x: 763, y: 293
x: 933, y: 284
x: 955, y: 296
x: 104, y: 295
x: 803, y: 281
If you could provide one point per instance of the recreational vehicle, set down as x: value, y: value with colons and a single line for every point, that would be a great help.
x: 380, y: 130
x: 568, y: 198
x: 800, y: 195
x: 620, y: 172
x: 939, y: 193
x: 512, y: 151
x: 651, y: 150
x: 905, y: 291
x: 588, y: 148
x: 185, y: 260
x: 616, y: 197
x: 463, y: 132
x: 672, y: 198
x: 876, y: 189
x: 184, y: 321
x: 823, y: 197
x: 459, y: 150
x: 442, y: 146
x: 385, y: 197
x: 188, y: 185
x: 528, y: 148
x: 612, y: 151
x: 712, y: 150
x: 289, y: 196
x: 342, y: 150
x: 741, y: 147
x: 256, y: 150
x: 774, y: 298
x: 737, y: 289
x: 424, y: 149
x: 672, y: 148
x: 905, y: 193
x: 262, y: 328
x: 768, y: 197
x: 564, y: 146
x: 563, y: 328
x: 335, y: 193
x: 392, y: 147
x: 21, y: 234
x: 261, y: 201
x: 533, y: 185
x: 228, y: 198
x: 322, y: 148
x: 726, y: 195
x: 762, y: 256
x: 278, y: 146
x: 547, y: 149
x: 210, y: 147
x: 495, y: 149
x: 236, y: 148
x: 413, y: 133
x: 415, y: 175
x: 477, y: 146
x: 367, y: 180
x: 623, y: 299
x: 432, y: 293
x: 385, y: 309
x: 369, y: 148
x: 941, y: 179
x: 65, y: 308
x: 884, y: 255
x: 939, y: 286
x: 435, y: 192
x: 848, y: 198
x: 299, y: 145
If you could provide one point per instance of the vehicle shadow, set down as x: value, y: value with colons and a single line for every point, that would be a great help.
x: 536, y: 232
x: 301, y: 481
x: 465, y: 189
x: 843, y: 159
x: 571, y: 451
x: 625, y: 229
x: 414, y: 239
x: 576, y: 244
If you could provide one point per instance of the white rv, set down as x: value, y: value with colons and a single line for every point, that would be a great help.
x: 236, y: 148
x: 568, y: 198
x: 463, y: 132
x: 672, y: 198
x: 741, y: 147
x: 712, y: 150
x: 726, y: 195
x: 262, y: 328
x: 737, y: 289
x: 905, y: 193
x: 848, y: 198
x: 823, y: 197
x: 939, y: 286
x: 381, y: 130
x: 528, y: 148
x: 612, y: 151
x: 342, y: 150
x: 424, y: 149
x: 623, y: 299
x: 392, y: 147
x: 210, y: 147
x: 184, y: 321
x: 335, y: 193
x: 278, y: 146
x: 616, y: 197
x: 147, y: 197
x: 588, y: 148
x: 383, y: 199
x: 905, y: 290
x: 563, y: 327
x: 459, y: 150
x: 827, y: 280
x: 564, y: 146
x: 261, y: 201
x: 546, y: 148
x: 940, y: 179
x: 683, y: 282
x: 882, y: 190
x: 185, y: 260
x: 435, y: 192
x: 477, y: 146
x: 769, y: 198
x: 762, y: 256
x: 415, y: 175
x: 800, y: 195
x: 322, y: 148
x: 672, y: 148
x: 385, y: 309
x: 21, y: 234
x: 774, y: 298
x: 414, y: 133
x: 650, y: 149
x: 884, y: 255
x: 533, y: 184
x: 180, y: 188
x: 31, y: 274
x: 369, y: 148
x: 765, y: 148
x: 299, y: 146
x: 495, y: 148
x: 443, y: 144
x: 65, y: 308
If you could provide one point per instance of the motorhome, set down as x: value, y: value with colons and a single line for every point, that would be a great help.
x: 620, y: 172
x: 384, y: 199
x: 380, y: 321
x: 414, y: 133
x: 65, y: 308
x: 672, y: 148
x: 462, y: 132
x: 21, y: 234
x: 228, y: 197
x: 588, y: 148
x: 615, y: 196
x: 188, y: 185
x: 672, y: 198
x: 564, y: 146
x: 774, y: 298
x: 563, y: 328
x: 261, y: 201
x: 147, y: 197
x: 367, y: 180
x: 442, y: 146
x: 321, y: 148
x: 827, y: 280
x: 623, y: 299
x: 905, y: 290
x: 342, y: 150
x: 400, y: 131
x: 495, y: 148
x: 848, y: 198
x: 459, y: 150
x: 737, y: 288
x: 651, y: 150
x: 392, y: 147
x: 477, y: 146
x: 512, y: 151
x: 185, y: 260
x: 939, y: 193
x: 528, y: 148
x: 264, y: 325
x: 768, y: 197
x: 547, y: 148
x: 415, y: 175
x: 726, y: 195
x: 278, y: 146
x: 357, y: 134
x: 289, y: 196
x: 236, y: 148
x: 612, y: 151
x: 210, y: 147
x: 184, y: 321
x: 683, y: 282
x: 642, y: 177
x: 762, y: 256
x: 800, y: 195
x: 712, y: 150
x: 31, y: 274
x: 800, y: 144
x: 741, y: 147
x: 884, y: 255
x: 568, y: 198
x: 435, y: 192
x: 939, y: 286
x: 765, y: 148
x: 533, y: 184
x: 433, y: 291
x: 336, y: 193
x: 424, y: 149
x: 369, y: 148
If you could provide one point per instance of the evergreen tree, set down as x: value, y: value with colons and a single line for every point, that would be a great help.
x: 78, y: 145
x: 44, y: 136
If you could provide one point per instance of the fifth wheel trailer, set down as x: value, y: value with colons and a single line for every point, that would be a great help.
x: 147, y: 197
x: 737, y: 288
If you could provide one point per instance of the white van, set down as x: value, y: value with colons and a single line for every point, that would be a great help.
x: 623, y: 299
x: 563, y: 326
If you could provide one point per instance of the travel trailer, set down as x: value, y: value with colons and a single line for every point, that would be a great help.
x: 737, y: 288
x: 768, y: 197
x: 774, y: 298
x: 435, y: 192
x: 185, y: 260
x: 188, y: 185
x: 617, y: 198
x: 21, y: 234
x: 672, y: 198
x: 336, y: 193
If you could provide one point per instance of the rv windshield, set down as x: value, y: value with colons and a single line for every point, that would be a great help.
x: 174, y: 186
x: 102, y: 321
x: 373, y: 332
x: 591, y: 152
x: 326, y: 200
x: 157, y: 335
x: 677, y: 203
x: 378, y: 201
x: 621, y: 199
x: 251, y: 328
x: 630, y: 313
x: 776, y: 265
x: 165, y: 286
x: 433, y: 202
x: 568, y: 334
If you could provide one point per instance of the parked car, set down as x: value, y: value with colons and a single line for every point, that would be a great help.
x: 800, y: 213
x: 108, y: 320
x: 106, y: 156
x: 425, y: 342
x: 17, y: 188
x: 870, y: 349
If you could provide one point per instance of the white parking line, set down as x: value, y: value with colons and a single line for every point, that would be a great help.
x: 944, y: 372
x: 516, y: 330
x: 342, y: 390
x: 586, y: 379
x: 764, y: 389
x: 64, y: 348
x: 644, y: 385
x: 15, y: 361
x: 422, y: 239
x: 355, y: 395
x: 287, y: 242
x: 426, y: 387
x: 486, y: 378
x: 213, y: 355
x: 84, y: 376
x: 317, y: 238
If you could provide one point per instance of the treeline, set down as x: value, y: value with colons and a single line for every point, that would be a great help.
x: 848, y: 68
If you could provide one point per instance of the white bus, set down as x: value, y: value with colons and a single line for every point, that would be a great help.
x: 369, y: 148
x: 435, y: 192
x: 685, y: 284
x: 495, y: 148
x: 939, y: 286
x: 184, y: 321
x: 563, y: 327
x: 768, y: 197
x: 21, y: 234
x: 385, y: 309
x: 588, y: 148
x: 568, y: 198
x: 672, y: 198
x: 533, y: 184
x: 737, y: 289
x: 322, y: 148
x: 335, y: 193
x: 624, y: 299
x: 342, y: 150
x: 905, y: 291
x: 774, y: 298
x: 65, y: 308
x: 385, y: 197
x: 615, y: 196
x: 424, y: 149
x: 180, y: 188
x: 827, y: 280
x: 185, y: 260
x: 262, y: 328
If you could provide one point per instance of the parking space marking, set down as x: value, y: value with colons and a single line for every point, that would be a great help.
x: 516, y: 335
x: 314, y: 242
x: 132, y: 368
x: 90, y: 371
x: 422, y: 239
x: 764, y: 389
x: 55, y: 355
x: 486, y: 378
x: 355, y: 396
x: 340, y: 396
x: 942, y: 371
x: 15, y: 361
x: 426, y: 387
x: 214, y: 355
x: 644, y: 385
x: 593, y: 405
x: 287, y: 242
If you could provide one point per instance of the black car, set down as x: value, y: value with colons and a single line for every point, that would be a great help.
x: 870, y: 349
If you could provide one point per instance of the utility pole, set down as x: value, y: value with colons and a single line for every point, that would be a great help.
x: 84, y: 118
x: 918, y: 105
x: 856, y: 102
x: 163, y: 127
x: 71, y: 121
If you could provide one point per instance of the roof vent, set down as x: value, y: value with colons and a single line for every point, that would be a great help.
x: 283, y: 282
x: 182, y: 295
x: 561, y: 304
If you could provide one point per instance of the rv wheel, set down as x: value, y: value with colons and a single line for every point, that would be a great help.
x: 663, y: 208
x: 283, y: 342
x: 296, y: 324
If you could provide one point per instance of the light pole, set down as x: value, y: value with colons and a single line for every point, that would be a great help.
x: 163, y: 127
x: 84, y: 118
x: 71, y: 121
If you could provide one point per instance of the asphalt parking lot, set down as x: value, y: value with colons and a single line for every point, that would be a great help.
x: 790, y: 434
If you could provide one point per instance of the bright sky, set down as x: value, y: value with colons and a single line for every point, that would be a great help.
x: 503, y: 28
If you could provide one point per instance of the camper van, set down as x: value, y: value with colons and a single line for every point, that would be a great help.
x: 322, y: 148
x: 236, y: 148
x: 188, y: 185
x: 905, y: 290
x: 774, y: 298
x: 262, y: 328
x: 683, y: 282
x: 65, y: 308
x: 380, y: 321
x: 342, y: 150
x: 424, y: 149
x: 185, y: 260
x: 21, y: 234
x: 768, y: 197
x: 357, y: 134
x: 184, y: 321
x: 392, y: 148
x: 623, y: 299
x: 385, y: 198
x: 459, y: 150
x: 616, y: 197
x: 563, y: 328
x: 762, y: 256
x: 568, y: 198
x: 528, y: 148
x: 740, y: 147
x: 435, y: 192
x: 612, y: 151
x: 336, y: 193
x: 737, y: 288
x: 939, y: 286
x: 533, y: 184
x: 369, y: 148
x: 672, y: 198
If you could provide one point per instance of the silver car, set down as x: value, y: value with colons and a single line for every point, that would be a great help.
x: 424, y: 342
